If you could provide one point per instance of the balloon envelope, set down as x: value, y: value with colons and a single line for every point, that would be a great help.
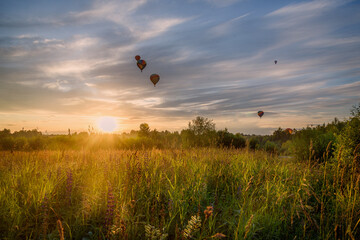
x: 289, y: 130
x: 137, y: 57
x: 141, y: 64
x: 154, y: 78
x: 260, y: 113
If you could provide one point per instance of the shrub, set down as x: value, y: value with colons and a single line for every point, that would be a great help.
x: 20, y: 143
x: 7, y: 143
x: 348, y: 140
x: 239, y: 141
x: 36, y: 143
x: 271, y: 147
x: 253, y: 143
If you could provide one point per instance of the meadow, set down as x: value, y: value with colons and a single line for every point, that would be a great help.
x: 195, y: 193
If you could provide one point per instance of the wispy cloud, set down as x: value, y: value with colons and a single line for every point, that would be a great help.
x: 226, y: 27
x: 222, y: 3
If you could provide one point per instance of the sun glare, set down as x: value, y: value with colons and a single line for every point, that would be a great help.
x: 107, y: 124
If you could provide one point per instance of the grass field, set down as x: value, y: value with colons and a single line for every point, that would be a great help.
x: 205, y: 193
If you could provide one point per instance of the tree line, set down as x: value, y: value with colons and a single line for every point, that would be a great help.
x: 320, y: 142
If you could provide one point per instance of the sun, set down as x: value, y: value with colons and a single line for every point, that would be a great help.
x: 107, y: 124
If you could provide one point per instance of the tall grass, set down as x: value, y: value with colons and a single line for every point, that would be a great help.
x: 175, y: 194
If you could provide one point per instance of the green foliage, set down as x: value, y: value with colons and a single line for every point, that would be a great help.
x: 36, y: 143
x: 7, y: 143
x: 271, y: 147
x: 200, y: 133
x: 20, y: 143
x: 253, y: 143
x: 312, y: 143
x: 348, y: 140
x: 280, y: 136
x: 227, y: 139
x: 201, y: 126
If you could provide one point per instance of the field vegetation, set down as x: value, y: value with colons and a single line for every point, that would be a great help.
x: 196, y: 184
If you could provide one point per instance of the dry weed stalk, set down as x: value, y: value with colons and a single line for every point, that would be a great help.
x: 60, y: 229
x: 208, y: 212
x: 249, y: 184
x: 218, y: 235
x: 248, y: 226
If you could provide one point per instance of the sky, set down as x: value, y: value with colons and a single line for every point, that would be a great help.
x: 65, y: 64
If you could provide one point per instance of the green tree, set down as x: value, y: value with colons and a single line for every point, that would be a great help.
x: 201, y: 132
x: 201, y: 125
x: 355, y: 111
x: 144, y: 130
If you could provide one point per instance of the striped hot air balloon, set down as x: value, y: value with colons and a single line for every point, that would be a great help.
x: 154, y: 78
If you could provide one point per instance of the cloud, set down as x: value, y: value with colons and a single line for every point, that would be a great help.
x: 142, y: 27
x: 222, y: 3
x: 306, y: 10
x: 226, y: 27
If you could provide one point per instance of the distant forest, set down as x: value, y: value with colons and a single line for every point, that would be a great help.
x: 320, y: 142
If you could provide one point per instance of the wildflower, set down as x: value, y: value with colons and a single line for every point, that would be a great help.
x: 208, y: 212
x: 218, y: 235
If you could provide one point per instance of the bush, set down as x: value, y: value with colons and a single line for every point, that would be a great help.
x: 20, y: 143
x: 7, y: 143
x: 348, y: 140
x: 36, y: 143
x: 227, y: 139
x: 239, y: 141
x: 253, y: 143
x: 271, y: 147
x: 312, y: 141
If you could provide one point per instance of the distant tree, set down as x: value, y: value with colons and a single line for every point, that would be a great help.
x: 280, y: 135
x: 144, y: 130
x: 227, y: 139
x: 355, y: 111
x: 5, y: 133
x: 200, y: 132
x: 201, y: 125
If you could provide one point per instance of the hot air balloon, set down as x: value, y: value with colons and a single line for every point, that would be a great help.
x: 154, y: 78
x: 260, y: 113
x: 275, y: 61
x: 289, y: 130
x: 137, y: 57
x: 141, y: 64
